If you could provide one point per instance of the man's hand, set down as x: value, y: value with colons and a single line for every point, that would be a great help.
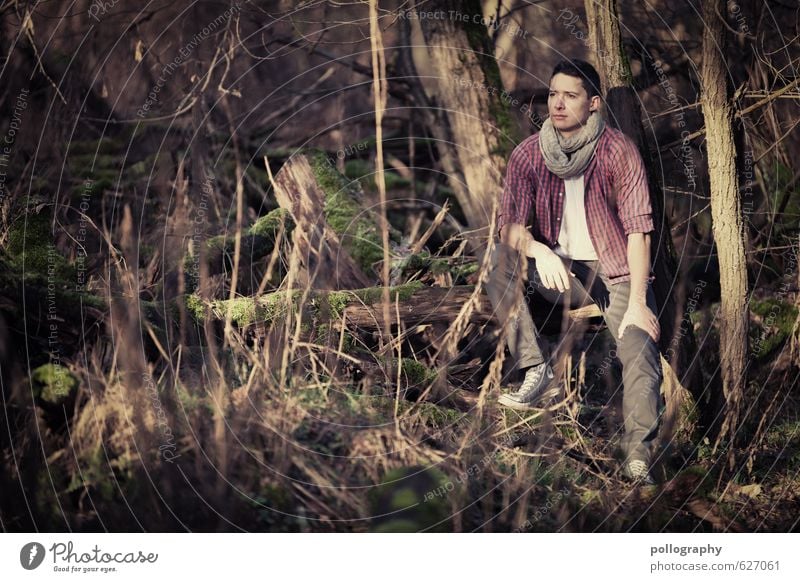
x: 551, y: 269
x: 641, y: 316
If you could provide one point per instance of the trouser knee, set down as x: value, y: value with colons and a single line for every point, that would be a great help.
x: 639, y: 353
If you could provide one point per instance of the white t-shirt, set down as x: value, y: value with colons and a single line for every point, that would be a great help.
x: 573, y: 238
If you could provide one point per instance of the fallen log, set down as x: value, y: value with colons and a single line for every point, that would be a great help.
x: 361, y: 308
x: 416, y: 304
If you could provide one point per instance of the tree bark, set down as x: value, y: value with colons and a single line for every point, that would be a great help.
x: 624, y: 113
x: 473, y: 129
x: 726, y: 216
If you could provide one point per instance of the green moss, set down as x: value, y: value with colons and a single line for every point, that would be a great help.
x: 53, y: 383
x: 244, y: 311
x: 590, y: 496
x: 688, y: 417
x: 321, y: 305
x: 417, y: 374
x: 423, y: 261
x: 258, y: 241
x: 344, y: 212
x: 268, y: 225
x: 30, y: 245
x: 217, y: 242
x: 784, y: 435
x: 247, y: 310
x: 188, y: 402
x: 411, y: 499
x: 413, y: 262
x: 440, y: 266
x: 196, y: 307
x: 778, y: 319
x: 439, y: 416
x: 404, y: 498
x: 403, y: 292
x: 568, y: 432
x: 705, y: 481
x: 466, y: 270
x: 338, y: 300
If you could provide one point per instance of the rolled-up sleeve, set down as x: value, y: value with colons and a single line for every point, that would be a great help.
x: 633, y: 194
x: 518, y: 188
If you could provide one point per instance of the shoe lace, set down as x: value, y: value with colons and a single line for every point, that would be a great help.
x: 532, y: 379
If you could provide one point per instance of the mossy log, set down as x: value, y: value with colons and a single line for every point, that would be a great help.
x: 361, y: 308
x: 339, y: 240
x: 417, y: 305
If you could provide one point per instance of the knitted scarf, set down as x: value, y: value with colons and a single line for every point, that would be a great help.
x: 580, y: 146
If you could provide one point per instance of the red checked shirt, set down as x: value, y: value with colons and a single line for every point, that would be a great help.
x: 617, y: 198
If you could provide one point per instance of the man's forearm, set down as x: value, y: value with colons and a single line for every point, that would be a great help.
x: 639, y: 265
x: 518, y: 237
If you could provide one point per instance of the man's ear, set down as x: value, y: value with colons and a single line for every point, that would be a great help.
x: 594, y: 103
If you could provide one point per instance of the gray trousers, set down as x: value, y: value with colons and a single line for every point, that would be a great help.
x: 638, y: 353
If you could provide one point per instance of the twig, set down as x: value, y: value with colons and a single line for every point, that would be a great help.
x: 440, y: 216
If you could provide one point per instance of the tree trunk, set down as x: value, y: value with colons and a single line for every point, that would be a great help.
x: 624, y: 113
x: 726, y: 217
x: 473, y: 129
x: 611, y: 59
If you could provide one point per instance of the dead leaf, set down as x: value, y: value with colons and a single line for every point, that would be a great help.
x: 752, y: 491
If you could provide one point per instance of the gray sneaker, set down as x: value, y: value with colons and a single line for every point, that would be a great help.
x: 537, y: 387
x: 637, y: 472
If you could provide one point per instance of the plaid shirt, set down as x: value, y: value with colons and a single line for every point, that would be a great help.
x: 616, y: 196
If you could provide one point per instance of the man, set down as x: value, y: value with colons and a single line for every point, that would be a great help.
x: 576, y: 208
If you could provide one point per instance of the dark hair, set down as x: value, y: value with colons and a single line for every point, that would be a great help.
x: 584, y: 71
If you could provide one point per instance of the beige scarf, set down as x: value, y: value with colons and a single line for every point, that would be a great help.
x: 580, y: 146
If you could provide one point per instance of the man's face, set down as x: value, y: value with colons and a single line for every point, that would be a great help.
x: 569, y: 105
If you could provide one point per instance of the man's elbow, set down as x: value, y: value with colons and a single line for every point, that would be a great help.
x: 509, y: 234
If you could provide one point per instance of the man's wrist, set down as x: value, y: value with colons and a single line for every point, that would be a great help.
x: 638, y: 300
x: 535, y: 249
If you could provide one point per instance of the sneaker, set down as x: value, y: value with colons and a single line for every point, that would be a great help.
x: 638, y: 472
x: 537, y: 387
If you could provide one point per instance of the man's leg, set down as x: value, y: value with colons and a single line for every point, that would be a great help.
x: 505, y: 290
x: 641, y: 373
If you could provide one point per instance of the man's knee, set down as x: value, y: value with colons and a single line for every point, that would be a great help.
x: 503, y: 258
x: 637, y: 350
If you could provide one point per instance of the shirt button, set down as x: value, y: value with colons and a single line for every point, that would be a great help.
x: 560, y: 193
